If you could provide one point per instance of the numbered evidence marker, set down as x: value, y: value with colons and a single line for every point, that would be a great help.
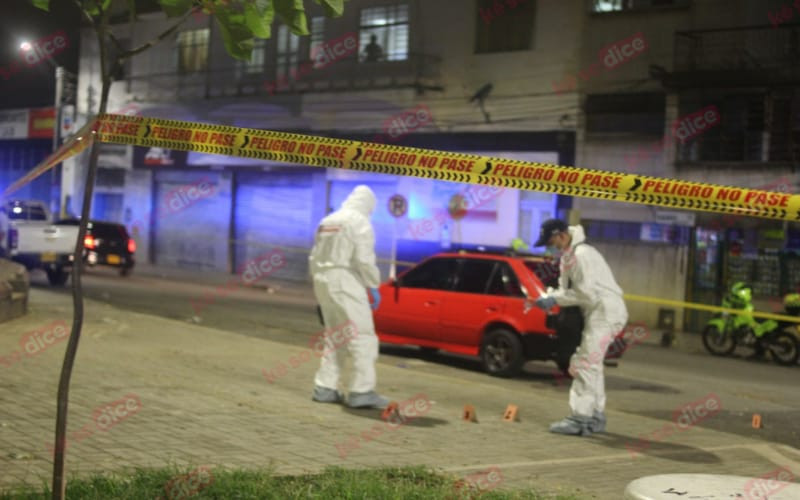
x: 756, y: 421
x: 511, y: 413
x: 391, y: 409
x: 469, y: 414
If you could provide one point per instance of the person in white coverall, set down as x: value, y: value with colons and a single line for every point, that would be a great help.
x: 342, y: 264
x: 585, y: 281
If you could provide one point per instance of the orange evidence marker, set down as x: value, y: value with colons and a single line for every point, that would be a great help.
x: 756, y: 421
x: 389, y: 410
x: 511, y: 413
x: 469, y: 413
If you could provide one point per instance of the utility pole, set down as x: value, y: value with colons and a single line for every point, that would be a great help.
x: 66, y: 84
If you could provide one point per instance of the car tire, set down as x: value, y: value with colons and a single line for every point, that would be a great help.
x: 57, y: 277
x: 502, y: 354
x: 125, y: 271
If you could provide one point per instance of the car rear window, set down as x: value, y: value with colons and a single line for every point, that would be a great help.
x: 505, y: 282
x: 102, y: 230
x: 546, y: 271
x: 26, y: 212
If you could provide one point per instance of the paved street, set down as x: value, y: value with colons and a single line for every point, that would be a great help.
x: 200, y: 397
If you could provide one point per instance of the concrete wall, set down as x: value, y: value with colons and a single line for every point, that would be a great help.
x: 665, y: 276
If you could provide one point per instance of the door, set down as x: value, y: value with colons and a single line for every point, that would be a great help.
x: 466, y: 309
x: 191, y: 221
x: 413, y: 308
x: 274, y: 211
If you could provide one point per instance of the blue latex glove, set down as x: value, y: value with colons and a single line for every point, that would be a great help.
x: 545, y: 303
x: 376, y: 298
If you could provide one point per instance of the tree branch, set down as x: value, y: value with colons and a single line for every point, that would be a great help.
x: 162, y: 36
x: 89, y: 18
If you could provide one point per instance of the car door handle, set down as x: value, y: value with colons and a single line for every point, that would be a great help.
x: 429, y: 303
x: 492, y: 309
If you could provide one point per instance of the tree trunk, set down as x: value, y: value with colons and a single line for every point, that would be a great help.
x: 59, y: 480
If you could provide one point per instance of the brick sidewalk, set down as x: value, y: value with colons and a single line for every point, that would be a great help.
x: 203, y: 400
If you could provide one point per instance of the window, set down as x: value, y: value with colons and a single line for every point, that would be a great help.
x: 505, y: 282
x: 389, y: 26
x: 435, y: 274
x: 25, y: 212
x: 738, y: 136
x: 474, y: 275
x: 602, y: 6
x: 317, y: 38
x: 546, y: 271
x: 287, y: 56
x: 193, y: 51
x: 256, y: 62
x: 640, y: 113
x: 506, y: 29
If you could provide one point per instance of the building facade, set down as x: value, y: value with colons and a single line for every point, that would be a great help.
x: 479, y: 83
x: 706, y: 91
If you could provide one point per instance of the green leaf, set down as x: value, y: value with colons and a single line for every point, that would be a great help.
x: 41, y: 4
x: 235, y: 33
x: 259, y: 15
x: 93, y: 7
x: 333, y: 8
x: 175, y: 8
x: 293, y: 14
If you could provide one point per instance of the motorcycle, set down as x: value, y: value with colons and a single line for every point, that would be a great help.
x: 725, y: 330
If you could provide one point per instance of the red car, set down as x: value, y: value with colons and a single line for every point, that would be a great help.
x: 481, y: 304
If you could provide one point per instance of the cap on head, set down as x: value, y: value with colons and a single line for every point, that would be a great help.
x: 550, y: 227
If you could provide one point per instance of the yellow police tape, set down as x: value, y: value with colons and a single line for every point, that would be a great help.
x: 431, y: 164
x: 703, y: 307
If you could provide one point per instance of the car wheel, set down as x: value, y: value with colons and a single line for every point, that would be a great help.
x: 502, y: 353
x: 57, y: 277
x: 125, y: 271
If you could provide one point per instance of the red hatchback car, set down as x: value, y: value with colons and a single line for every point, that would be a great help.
x: 481, y: 304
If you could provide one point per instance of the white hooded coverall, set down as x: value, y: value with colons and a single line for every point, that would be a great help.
x: 586, y: 281
x: 342, y: 264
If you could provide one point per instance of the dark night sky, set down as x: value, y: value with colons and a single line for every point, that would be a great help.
x: 34, y: 86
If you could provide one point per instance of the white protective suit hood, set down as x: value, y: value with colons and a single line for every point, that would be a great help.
x: 578, y: 235
x: 362, y: 200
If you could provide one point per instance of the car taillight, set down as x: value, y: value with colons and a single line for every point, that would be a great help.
x: 131, y: 245
x: 89, y: 242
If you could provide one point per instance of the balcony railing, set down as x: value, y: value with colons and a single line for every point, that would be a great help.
x: 419, y: 71
x: 749, y: 49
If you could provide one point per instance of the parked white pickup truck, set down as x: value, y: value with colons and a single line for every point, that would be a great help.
x: 36, y: 243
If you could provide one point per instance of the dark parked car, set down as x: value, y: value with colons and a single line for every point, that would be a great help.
x: 480, y: 304
x: 107, y: 244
